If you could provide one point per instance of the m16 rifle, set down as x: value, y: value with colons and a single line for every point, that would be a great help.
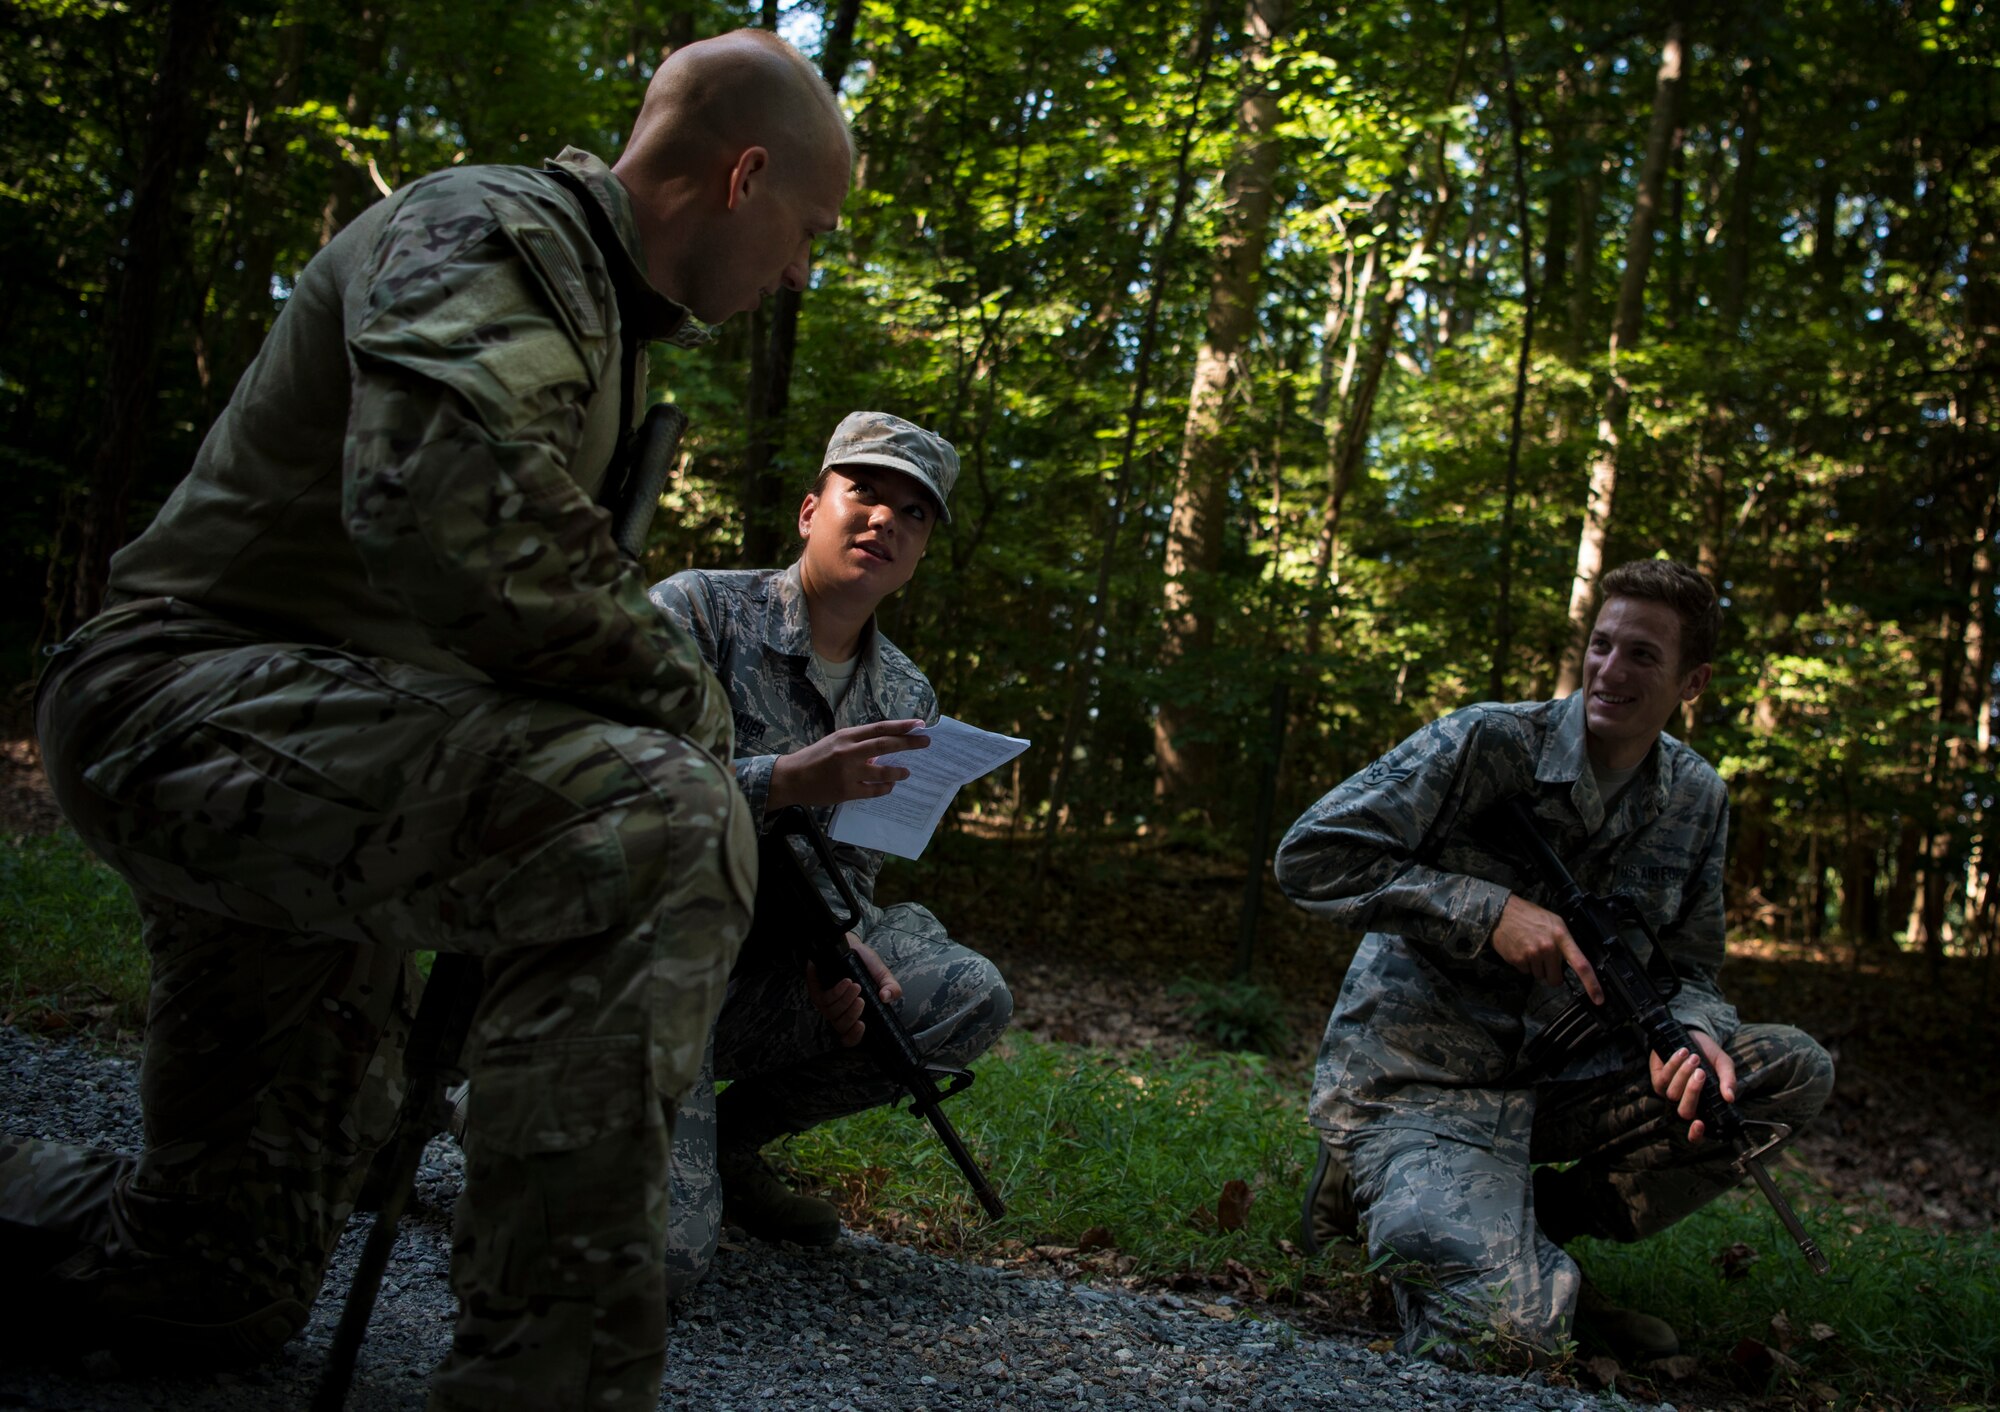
x: 791, y: 908
x: 1635, y: 1000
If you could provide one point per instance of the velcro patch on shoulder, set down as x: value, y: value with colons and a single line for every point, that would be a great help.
x: 557, y: 269
x: 527, y: 365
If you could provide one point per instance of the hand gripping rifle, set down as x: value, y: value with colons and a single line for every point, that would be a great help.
x: 791, y: 904
x: 1635, y: 997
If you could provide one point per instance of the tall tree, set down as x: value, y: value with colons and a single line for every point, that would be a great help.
x: 1625, y: 330
x: 775, y: 348
x: 173, y: 129
x: 1182, y: 736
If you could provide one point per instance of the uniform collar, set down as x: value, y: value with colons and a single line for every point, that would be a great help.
x: 652, y: 315
x: 1565, y: 761
x: 788, y: 628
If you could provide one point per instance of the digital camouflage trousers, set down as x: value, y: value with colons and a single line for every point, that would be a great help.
x: 788, y: 1073
x: 295, y: 822
x: 1471, y: 1233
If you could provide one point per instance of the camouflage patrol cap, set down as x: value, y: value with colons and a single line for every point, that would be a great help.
x: 878, y: 439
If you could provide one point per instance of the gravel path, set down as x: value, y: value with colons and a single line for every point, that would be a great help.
x: 865, y: 1325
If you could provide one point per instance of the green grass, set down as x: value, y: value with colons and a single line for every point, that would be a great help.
x: 1076, y: 1139
x: 1906, y: 1314
x: 69, y: 937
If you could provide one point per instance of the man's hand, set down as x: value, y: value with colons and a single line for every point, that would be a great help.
x: 842, y: 1005
x: 843, y: 766
x: 1680, y: 1080
x: 1534, y: 941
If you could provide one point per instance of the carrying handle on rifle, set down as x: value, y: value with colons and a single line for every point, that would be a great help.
x: 1566, y: 893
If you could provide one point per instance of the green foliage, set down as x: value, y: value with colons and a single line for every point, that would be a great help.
x: 69, y: 934
x: 1809, y: 393
x: 1236, y: 1014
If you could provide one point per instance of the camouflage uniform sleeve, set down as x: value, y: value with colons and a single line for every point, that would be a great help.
x: 1696, y: 942
x: 468, y: 403
x: 1358, y: 856
x: 689, y: 600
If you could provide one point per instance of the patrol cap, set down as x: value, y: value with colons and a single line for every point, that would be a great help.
x: 878, y: 439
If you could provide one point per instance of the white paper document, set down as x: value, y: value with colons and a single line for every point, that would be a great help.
x: 902, y: 821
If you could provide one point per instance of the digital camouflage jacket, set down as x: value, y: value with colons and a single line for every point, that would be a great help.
x: 1430, y: 1023
x: 752, y: 629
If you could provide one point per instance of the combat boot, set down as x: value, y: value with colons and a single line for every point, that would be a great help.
x: 1632, y: 1336
x: 755, y: 1198
x: 152, y: 1314
x: 1328, y: 1215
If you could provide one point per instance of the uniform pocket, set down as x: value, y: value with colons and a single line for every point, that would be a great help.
x: 566, y: 1167
x: 531, y: 1099
x: 572, y: 886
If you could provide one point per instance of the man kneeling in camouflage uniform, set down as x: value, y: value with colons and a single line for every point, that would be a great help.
x: 1430, y: 1135
x: 822, y: 701
x: 378, y: 680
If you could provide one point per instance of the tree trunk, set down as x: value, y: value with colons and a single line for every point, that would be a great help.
x: 1712, y: 467
x: 1583, y: 243
x: 1347, y: 437
x: 175, y: 133
x: 1624, y: 335
x: 1503, y: 608
x: 764, y: 485
x: 352, y: 191
x: 1185, y: 764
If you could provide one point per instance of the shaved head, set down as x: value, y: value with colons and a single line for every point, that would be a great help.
x: 738, y: 162
x: 712, y: 99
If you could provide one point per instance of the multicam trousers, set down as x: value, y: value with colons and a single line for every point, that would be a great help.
x: 789, y: 1073
x: 1472, y: 1236
x: 295, y: 821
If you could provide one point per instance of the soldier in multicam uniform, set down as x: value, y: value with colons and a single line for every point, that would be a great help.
x: 376, y: 680
x: 822, y: 701
x: 1432, y: 1129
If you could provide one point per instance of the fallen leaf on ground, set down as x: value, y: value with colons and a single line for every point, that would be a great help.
x: 1759, y: 1359
x: 1735, y: 1261
x: 1232, y: 1210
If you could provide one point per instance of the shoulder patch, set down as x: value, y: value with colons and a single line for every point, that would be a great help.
x: 557, y: 269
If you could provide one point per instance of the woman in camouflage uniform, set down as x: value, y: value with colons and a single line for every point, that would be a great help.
x: 822, y: 702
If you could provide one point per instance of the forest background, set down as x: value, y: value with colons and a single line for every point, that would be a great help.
x: 1330, y: 349
x: 1309, y: 362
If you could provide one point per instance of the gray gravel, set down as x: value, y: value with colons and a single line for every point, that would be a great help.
x: 865, y: 1325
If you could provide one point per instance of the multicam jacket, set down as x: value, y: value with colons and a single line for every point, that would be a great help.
x: 409, y: 466
x: 752, y: 629
x: 1430, y: 1023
